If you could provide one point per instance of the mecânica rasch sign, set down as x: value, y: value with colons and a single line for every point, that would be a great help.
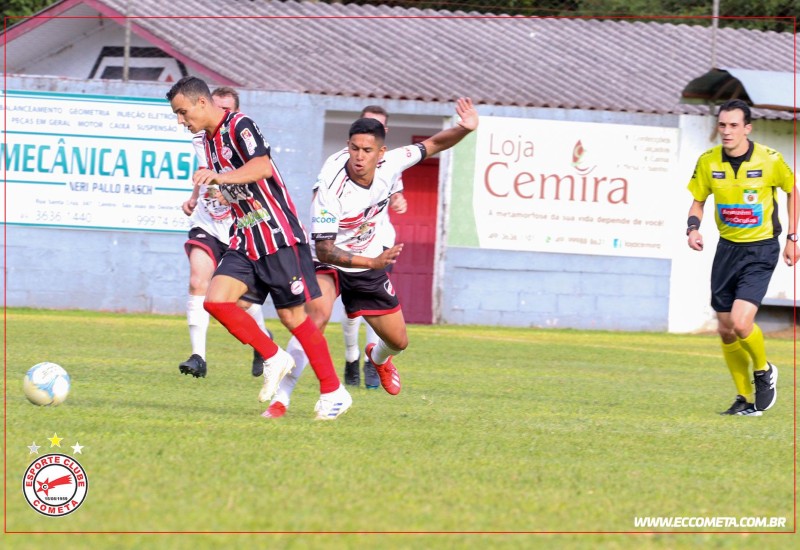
x: 94, y: 162
x: 567, y: 187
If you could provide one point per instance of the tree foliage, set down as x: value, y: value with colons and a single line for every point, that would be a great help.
x: 773, y: 15
x: 12, y: 8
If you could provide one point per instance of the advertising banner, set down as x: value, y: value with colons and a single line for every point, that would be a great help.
x: 566, y: 187
x: 94, y: 162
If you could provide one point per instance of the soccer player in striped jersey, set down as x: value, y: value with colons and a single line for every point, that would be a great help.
x: 744, y: 178
x: 208, y: 239
x: 348, y: 215
x: 268, y: 252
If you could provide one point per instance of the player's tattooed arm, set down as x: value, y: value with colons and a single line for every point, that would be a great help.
x: 327, y: 253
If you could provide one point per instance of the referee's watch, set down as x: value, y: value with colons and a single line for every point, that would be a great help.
x: 792, y: 237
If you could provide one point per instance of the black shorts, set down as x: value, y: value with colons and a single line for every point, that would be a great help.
x: 287, y: 275
x: 742, y: 272
x: 200, y: 238
x: 364, y: 293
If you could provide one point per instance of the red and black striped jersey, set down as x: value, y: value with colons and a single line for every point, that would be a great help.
x: 264, y: 216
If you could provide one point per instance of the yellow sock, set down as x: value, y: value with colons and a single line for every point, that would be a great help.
x: 738, y: 362
x: 754, y: 346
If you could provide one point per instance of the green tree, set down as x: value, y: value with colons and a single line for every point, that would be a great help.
x: 13, y: 8
x: 755, y: 14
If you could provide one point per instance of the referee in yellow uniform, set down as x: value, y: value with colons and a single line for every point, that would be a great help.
x: 744, y: 178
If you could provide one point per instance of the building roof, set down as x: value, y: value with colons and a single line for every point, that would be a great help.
x: 399, y: 53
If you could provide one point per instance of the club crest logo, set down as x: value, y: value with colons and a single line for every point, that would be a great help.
x: 387, y: 286
x: 55, y: 485
x: 297, y: 287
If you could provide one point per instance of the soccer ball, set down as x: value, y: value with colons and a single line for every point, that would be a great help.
x: 46, y: 384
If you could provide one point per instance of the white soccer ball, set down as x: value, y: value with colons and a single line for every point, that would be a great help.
x: 46, y: 384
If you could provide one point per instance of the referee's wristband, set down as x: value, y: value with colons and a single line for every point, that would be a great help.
x: 693, y: 224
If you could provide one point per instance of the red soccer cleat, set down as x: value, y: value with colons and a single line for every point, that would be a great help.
x: 275, y: 410
x: 390, y: 379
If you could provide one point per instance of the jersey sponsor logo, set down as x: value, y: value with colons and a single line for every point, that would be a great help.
x: 249, y: 140
x: 754, y: 173
x: 235, y: 193
x: 740, y: 215
x: 253, y: 218
x: 717, y: 175
x: 324, y: 217
x: 750, y: 196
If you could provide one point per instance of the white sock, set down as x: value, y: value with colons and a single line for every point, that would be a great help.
x: 372, y: 336
x: 257, y: 314
x: 382, y: 352
x: 197, y: 317
x: 286, y: 387
x: 350, y: 331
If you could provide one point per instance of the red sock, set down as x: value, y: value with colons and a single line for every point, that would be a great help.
x: 316, y: 348
x: 242, y: 326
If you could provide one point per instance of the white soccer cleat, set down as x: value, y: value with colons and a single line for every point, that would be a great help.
x: 334, y: 404
x: 275, y: 368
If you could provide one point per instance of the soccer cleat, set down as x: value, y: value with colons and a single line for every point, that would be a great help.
x: 766, y: 392
x: 334, y: 404
x: 275, y: 368
x: 258, y: 364
x: 352, y: 377
x: 276, y: 409
x: 741, y: 407
x: 258, y: 361
x: 390, y: 379
x: 371, y: 379
x: 194, y: 365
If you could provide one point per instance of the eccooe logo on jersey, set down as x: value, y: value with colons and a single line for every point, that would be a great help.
x: 55, y: 485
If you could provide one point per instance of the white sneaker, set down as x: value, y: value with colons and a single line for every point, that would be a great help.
x: 334, y: 404
x: 275, y: 368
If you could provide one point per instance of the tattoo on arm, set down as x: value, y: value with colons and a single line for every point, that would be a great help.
x: 329, y: 254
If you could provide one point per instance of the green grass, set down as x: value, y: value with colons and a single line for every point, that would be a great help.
x: 497, y: 430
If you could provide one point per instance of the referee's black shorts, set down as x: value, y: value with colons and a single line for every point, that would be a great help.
x: 742, y: 271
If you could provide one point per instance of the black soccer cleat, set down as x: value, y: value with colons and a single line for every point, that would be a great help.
x: 741, y: 407
x: 258, y: 361
x: 371, y: 379
x: 765, y: 382
x: 352, y: 376
x: 194, y: 365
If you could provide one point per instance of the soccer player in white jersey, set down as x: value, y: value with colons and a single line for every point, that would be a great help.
x: 208, y: 239
x: 348, y: 215
x: 350, y: 326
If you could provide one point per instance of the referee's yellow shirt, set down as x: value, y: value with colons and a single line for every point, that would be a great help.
x: 745, y: 203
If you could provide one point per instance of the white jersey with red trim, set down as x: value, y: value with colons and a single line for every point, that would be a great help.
x: 210, y: 214
x: 334, y: 162
x: 356, y: 217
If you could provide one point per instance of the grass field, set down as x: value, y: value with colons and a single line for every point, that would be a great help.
x: 497, y: 435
